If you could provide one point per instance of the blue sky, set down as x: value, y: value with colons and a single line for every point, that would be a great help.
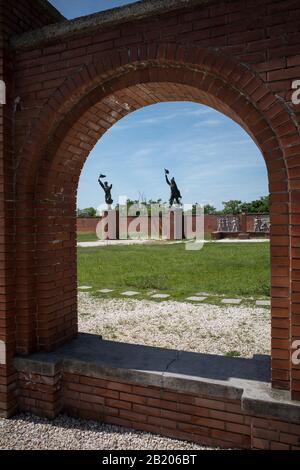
x: 74, y: 8
x: 212, y: 158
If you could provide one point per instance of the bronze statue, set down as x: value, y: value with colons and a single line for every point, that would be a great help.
x: 107, y: 189
x: 175, y: 193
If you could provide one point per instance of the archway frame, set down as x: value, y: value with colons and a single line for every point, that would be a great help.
x: 50, y: 166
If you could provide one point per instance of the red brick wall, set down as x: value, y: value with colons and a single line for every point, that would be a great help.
x: 238, y: 57
x: 210, y: 223
x: 89, y: 224
x: 24, y: 15
x: 207, y: 420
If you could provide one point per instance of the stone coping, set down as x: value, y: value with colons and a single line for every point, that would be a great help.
x: 100, y: 21
x: 232, y: 378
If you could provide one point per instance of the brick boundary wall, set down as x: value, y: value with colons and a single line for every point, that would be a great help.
x: 89, y: 224
x: 206, y: 420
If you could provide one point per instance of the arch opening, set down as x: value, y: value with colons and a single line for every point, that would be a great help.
x: 154, y: 278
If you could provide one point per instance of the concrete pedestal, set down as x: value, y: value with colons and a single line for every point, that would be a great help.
x: 107, y: 227
x: 172, y: 225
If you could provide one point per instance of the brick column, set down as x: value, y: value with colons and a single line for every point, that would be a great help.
x: 7, y: 233
x: 16, y: 16
x: 295, y: 295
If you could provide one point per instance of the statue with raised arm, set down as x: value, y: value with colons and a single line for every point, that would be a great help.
x: 107, y: 189
x: 175, y: 193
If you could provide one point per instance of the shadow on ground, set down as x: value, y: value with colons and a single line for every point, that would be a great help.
x: 91, y: 349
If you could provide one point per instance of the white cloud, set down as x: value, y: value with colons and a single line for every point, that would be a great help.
x: 208, y: 122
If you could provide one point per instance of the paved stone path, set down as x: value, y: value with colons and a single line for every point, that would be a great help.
x: 130, y: 293
x: 198, y: 297
x: 160, y: 296
x: 231, y: 301
x: 236, y: 240
x: 262, y: 303
x: 104, y: 243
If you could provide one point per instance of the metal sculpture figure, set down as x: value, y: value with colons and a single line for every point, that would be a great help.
x: 175, y: 193
x: 107, y: 189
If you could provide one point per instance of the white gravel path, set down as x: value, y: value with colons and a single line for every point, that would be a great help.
x: 178, y: 325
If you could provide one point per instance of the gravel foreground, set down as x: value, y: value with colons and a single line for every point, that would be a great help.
x: 242, y: 331
x: 27, y: 432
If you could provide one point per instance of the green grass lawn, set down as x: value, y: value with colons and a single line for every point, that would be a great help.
x: 87, y: 237
x: 229, y: 269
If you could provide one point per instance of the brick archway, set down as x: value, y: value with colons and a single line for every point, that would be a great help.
x: 74, y: 82
x: 77, y: 115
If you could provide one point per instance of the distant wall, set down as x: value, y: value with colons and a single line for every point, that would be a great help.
x: 89, y: 224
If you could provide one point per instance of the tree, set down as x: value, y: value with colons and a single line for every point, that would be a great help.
x: 147, y: 204
x: 208, y: 209
x: 88, y: 212
x: 258, y: 206
x: 233, y: 206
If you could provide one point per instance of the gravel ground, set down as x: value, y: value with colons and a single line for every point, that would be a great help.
x: 169, y: 324
x: 27, y: 432
x: 178, y: 325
